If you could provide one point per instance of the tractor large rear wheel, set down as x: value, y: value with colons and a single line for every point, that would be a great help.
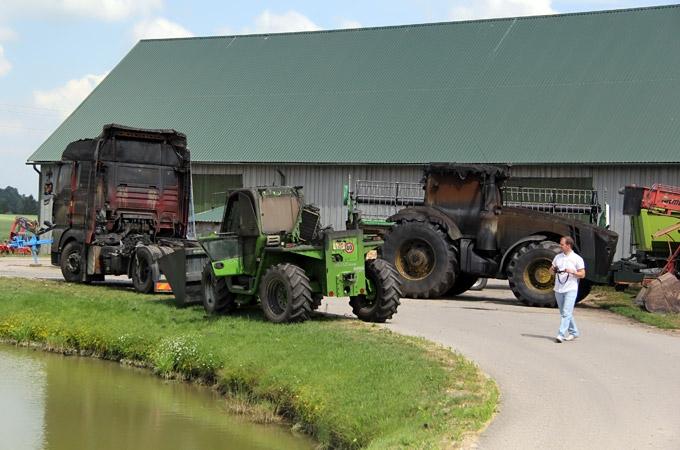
x: 382, y: 296
x: 423, y: 257
x: 285, y: 294
x: 529, y: 273
x: 216, y: 295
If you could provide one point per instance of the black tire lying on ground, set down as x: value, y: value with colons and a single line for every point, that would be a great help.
x: 423, y: 257
x: 464, y: 282
x: 383, y: 293
x: 285, y: 294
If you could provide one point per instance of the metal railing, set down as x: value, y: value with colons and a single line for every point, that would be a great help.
x: 381, y: 199
x: 581, y: 204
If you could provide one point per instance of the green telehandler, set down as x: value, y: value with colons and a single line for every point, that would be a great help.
x: 271, y: 247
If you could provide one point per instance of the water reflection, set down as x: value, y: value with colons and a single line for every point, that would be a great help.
x: 54, y: 402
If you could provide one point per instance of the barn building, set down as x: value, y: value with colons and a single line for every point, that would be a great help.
x: 574, y: 100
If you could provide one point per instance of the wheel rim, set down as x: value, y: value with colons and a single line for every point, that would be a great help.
x: 73, y: 263
x: 538, y: 276
x: 415, y: 259
x: 277, y: 297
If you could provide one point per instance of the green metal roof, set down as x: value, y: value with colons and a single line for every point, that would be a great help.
x: 595, y: 87
x: 212, y: 215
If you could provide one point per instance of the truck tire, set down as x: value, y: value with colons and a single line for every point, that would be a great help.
x: 464, y: 282
x: 142, y: 272
x: 285, y: 294
x: 382, y: 296
x: 216, y: 296
x: 423, y: 258
x: 529, y: 273
x: 72, y: 264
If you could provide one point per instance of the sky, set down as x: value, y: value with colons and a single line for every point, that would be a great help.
x: 54, y: 52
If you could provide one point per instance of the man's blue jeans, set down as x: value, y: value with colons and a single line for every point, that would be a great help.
x: 566, y: 302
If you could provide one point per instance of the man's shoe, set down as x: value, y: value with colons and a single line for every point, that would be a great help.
x: 571, y: 337
x: 559, y: 339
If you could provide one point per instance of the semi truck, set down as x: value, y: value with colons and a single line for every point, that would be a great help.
x: 121, y: 200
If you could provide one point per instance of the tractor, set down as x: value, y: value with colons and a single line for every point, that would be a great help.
x: 271, y: 247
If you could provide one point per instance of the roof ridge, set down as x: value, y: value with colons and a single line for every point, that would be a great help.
x: 422, y: 25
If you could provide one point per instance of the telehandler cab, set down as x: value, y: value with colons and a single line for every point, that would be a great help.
x: 271, y: 246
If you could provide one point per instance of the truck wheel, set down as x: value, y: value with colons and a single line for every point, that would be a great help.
x: 382, y: 296
x: 285, y: 294
x: 529, y: 273
x: 72, y: 264
x: 423, y: 257
x: 464, y: 282
x: 142, y: 272
x: 216, y: 295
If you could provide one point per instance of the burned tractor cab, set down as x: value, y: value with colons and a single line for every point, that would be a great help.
x: 118, y: 200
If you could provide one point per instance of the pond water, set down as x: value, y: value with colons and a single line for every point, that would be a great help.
x: 54, y: 402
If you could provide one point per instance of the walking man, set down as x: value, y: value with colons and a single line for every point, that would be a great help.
x: 568, y: 268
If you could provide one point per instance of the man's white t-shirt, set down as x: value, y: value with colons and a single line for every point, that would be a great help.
x: 567, y: 282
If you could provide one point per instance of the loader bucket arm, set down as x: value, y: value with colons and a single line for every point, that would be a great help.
x: 182, y: 268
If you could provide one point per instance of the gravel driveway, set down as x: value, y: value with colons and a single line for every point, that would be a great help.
x: 617, y: 387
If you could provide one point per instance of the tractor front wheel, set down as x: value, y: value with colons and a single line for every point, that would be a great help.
x: 383, y: 293
x: 424, y: 258
x: 529, y: 273
x: 285, y: 294
x: 216, y: 295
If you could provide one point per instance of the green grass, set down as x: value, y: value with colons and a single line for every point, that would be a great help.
x: 623, y: 303
x: 348, y: 384
x: 6, y: 223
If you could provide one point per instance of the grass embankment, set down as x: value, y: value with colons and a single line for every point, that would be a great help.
x: 623, y: 303
x: 347, y: 384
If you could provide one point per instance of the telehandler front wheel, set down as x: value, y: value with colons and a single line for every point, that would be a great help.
x: 383, y: 293
x: 285, y: 294
x: 216, y: 295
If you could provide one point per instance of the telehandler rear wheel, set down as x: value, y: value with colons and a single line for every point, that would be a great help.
x: 382, y: 296
x: 529, y: 273
x: 423, y: 257
x: 285, y: 294
x: 216, y: 295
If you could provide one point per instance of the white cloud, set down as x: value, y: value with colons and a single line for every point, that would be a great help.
x: 487, y: 9
x: 159, y: 28
x: 108, y: 10
x: 7, y: 34
x: 268, y: 22
x: 347, y: 23
x: 66, y: 98
x: 5, y: 65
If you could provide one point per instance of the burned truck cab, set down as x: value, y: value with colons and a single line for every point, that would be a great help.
x: 119, y: 198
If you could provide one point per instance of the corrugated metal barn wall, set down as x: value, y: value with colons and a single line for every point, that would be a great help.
x: 323, y: 184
